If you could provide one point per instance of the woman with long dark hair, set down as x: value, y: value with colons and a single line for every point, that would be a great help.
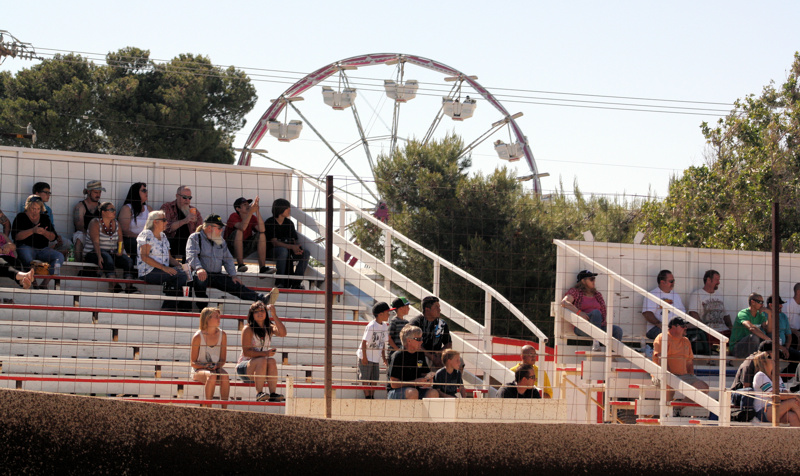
x: 133, y: 216
x: 587, y: 302
x: 256, y: 363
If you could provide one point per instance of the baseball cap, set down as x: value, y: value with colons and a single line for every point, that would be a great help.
x: 241, y: 200
x: 379, y: 308
x: 585, y: 274
x: 214, y: 220
x: 399, y: 302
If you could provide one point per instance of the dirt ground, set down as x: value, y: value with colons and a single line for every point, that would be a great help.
x: 45, y: 433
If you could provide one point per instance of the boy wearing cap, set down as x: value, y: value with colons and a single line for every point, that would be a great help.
x: 241, y: 237
x: 679, y: 356
x: 401, y: 307
x: 370, y: 352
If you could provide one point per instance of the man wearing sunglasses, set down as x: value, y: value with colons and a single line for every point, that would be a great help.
x: 747, y: 333
x: 182, y: 220
x: 522, y: 386
x: 665, y: 291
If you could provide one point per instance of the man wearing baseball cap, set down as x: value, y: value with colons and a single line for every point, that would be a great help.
x: 85, y: 211
x: 207, y: 254
x: 679, y: 357
x: 244, y: 233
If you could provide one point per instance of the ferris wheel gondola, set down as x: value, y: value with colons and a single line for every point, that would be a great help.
x: 400, y: 91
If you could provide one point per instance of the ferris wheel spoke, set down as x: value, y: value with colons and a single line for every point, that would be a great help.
x: 360, y: 128
x: 325, y: 141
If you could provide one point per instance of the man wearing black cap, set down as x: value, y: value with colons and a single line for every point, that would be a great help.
x: 207, y: 254
x: 680, y: 357
x: 784, y: 333
x: 245, y: 233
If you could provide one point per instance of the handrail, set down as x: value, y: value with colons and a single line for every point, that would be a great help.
x: 666, y: 377
x: 436, y: 258
x: 664, y: 305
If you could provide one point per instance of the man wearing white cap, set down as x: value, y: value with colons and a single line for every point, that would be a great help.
x: 85, y: 211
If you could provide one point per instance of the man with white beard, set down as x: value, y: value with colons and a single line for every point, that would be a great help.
x: 182, y: 220
x: 207, y: 253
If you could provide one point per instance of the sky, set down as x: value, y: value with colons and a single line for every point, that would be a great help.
x: 537, y: 54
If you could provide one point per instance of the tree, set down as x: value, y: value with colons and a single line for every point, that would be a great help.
x: 186, y: 109
x: 485, y: 224
x: 753, y: 160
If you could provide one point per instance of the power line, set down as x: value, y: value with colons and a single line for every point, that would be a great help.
x: 513, y: 98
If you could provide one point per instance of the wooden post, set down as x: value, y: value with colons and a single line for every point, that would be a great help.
x: 776, y: 364
x: 329, y: 296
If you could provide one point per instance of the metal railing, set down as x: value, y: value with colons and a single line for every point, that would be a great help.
x: 613, y: 346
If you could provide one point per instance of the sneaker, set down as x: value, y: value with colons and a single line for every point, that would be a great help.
x: 132, y: 290
x: 242, y: 268
x: 595, y: 346
x: 262, y: 396
x: 117, y: 288
x: 272, y: 296
x: 297, y: 285
x: 267, y: 270
x: 276, y: 397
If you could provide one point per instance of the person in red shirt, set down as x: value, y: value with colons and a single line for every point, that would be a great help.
x: 244, y: 234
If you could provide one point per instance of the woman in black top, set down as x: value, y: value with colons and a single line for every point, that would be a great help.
x: 32, y: 232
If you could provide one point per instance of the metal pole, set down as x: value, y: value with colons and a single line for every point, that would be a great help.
x: 776, y: 374
x: 329, y: 296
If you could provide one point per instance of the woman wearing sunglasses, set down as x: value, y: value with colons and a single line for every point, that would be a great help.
x: 104, y: 247
x: 587, y: 302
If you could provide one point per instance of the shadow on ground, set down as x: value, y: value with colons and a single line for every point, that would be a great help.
x: 44, y: 433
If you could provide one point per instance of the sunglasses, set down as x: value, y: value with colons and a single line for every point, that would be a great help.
x: 46, y: 193
x: 418, y: 339
x: 186, y: 197
x: 671, y: 281
x: 757, y: 301
x: 143, y: 190
x: 110, y: 210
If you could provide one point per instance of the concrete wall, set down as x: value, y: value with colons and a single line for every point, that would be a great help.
x: 214, y: 186
x: 741, y: 272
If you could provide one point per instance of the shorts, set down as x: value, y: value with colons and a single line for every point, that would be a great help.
x: 249, y: 245
x: 397, y: 394
x: 762, y: 414
x: 691, y: 379
x: 241, y: 371
x: 371, y: 371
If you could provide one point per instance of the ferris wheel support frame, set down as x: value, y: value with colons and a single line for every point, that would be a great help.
x: 314, y: 78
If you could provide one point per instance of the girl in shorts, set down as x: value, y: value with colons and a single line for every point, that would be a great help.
x: 256, y: 363
x: 209, y: 352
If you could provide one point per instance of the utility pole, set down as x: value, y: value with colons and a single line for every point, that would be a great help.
x: 11, y: 46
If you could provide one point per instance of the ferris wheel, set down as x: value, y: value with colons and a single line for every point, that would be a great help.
x: 455, y: 96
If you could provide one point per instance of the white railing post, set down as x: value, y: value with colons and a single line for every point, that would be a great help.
x: 299, y: 202
x: 387, y: 257
x: 436, y: 276
x: 487, y: 323
x: 662, y: 398
x: 610, y: 308
x: 342, y: 212
x: 724, y: 412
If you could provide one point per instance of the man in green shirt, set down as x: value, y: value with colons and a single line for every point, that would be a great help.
x: 747, y: 332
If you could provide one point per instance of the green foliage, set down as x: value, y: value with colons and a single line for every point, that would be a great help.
x: 485, y: 224
x: 753, y: 160
x: 187, y: 109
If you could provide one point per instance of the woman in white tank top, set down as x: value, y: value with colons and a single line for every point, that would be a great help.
x: 256, y: 363
x: 209, y: 349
